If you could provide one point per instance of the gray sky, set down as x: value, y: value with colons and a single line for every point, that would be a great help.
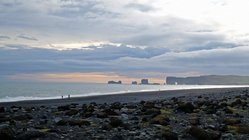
x: 132, y: 38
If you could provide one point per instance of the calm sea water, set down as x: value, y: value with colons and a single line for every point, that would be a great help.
x: 16, y: 91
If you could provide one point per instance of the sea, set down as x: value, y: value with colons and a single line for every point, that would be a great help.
x: 19, y: 91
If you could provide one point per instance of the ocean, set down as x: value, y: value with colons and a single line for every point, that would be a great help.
x: 18, y: 91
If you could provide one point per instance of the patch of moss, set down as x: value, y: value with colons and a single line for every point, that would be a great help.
x: 166, y: 111
x: 239, y: 129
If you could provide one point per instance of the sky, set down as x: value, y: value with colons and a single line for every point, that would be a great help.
x: 99, y: 40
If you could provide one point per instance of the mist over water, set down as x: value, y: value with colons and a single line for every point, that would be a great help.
x: 17, y: 91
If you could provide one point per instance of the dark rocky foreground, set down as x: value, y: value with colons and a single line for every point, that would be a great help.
x: 209, y: 116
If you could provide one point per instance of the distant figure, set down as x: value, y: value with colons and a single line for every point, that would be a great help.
x: 61, y: 96
x: 68, y: 96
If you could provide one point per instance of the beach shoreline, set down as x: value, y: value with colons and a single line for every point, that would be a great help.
x: 124, y: 97
x: 220, y: 113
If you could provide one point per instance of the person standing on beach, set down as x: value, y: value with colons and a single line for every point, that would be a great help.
x: 68, y: 96
x: 61, y: 96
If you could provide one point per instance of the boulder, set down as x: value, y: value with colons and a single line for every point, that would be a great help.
x: 6, y: 133
x: 186, y: 107
x: 116, y: 105
x: 194, y: 121
x: 231, y: 121
x: 79, y: 122
x: 110, y: 112
x: 237, y: 102
x: 102, y: 115
x: 22, y: 117
x: 2, y: 109
x: 202, y: 134
x: 63, y: 108
x: 169, y: 135
x: 160, y: 119
x: 115, y: 122
x: 29, y: 135
x: 71, y: 112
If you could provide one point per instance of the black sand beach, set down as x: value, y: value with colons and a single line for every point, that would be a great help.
x: 178, y: 114
x: 126, y: 97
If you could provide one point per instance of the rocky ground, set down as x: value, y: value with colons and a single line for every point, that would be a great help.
x: 210, y: 116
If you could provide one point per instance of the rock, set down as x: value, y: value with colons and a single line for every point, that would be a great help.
x: 22, y: 117
x: 231, y: 121
x: 4, y: 118
x: 71, y: 112
x: 61, y: 122
x: 117, y: 137
x: 202, y: 134
x: 115, y: 122
x: 86, y: 114
x: 186, y: 107
x: 169, y: 135
x: 63, y: 108
x: 174, y: 99
x: 241, y: 129
x: 28, y: 135
x: 222, y: 104
x: 236, y: 102
x: 148, y: 104
x: 6, y: 133
x: 57, y: 119
x: 194, y: 121
x: 106, y: 127
x: 160, y: 119
x: 90, y: 108
x: 79, y: 122
x: 102, y: 115
x: 228, y: 110
x: 124, y: 117
x: 110, y: 112
x: 116, y: 105
x: 152, y: 112
x: 2, y: 109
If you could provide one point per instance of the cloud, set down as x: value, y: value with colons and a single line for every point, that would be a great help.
x: 4, y: 37
x: 27, y: 37
x: 139, y: 7
x: 134, y: 38
x: 125, y: 61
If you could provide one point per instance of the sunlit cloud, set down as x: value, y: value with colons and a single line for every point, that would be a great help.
x: 79, y: 78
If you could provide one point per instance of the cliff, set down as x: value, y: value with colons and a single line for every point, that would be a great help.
x: 209, y: 80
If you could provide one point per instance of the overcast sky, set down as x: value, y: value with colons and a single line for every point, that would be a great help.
x: 128, y: 38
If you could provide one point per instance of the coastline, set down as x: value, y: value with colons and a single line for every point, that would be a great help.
x: 174, y: 114
x: 125, y: 97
